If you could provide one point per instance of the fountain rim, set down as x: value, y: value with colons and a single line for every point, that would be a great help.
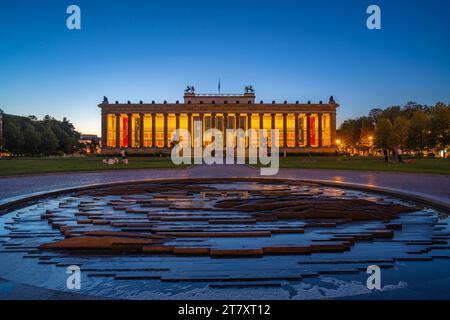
x: 9, y: 204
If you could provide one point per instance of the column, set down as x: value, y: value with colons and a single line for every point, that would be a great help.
x: 189, y: 115
x: 213, y: 120
x: 177, y: 121
x: 130, y: 132
x: 237, y: 124
x: 165, y: 130
x: 225, y: 125
x: 117, y: 130
x: 297, y: 135
x: 261, y: 127
x: 177, y: 126
x: 333, y: 128
x: 203, y: 128
x: 153, y: 130
x: 272, y: 136
x: 320, y: 129
x: 104, y: 128
x: 308, y: 130
x: 249, y: 126
x: 141, y: 132
x: 284, y: 130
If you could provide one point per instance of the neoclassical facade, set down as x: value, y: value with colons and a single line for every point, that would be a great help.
x: 149, y: 127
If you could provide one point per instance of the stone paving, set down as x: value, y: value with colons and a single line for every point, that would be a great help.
x: 436, y: 187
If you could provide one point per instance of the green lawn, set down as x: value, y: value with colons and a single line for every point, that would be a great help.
x: 11, y: 167
x: 426, y: 165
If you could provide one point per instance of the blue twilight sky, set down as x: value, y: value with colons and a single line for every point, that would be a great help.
x: 288, y: 50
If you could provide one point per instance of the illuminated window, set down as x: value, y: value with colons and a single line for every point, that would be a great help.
x: 207, y: 124
x: 255, y: 125
x: 147, y: 130
x: 279, y: 126
x: 220, y: 124
x: 123, y: 131
x: 242, y: 124
x: 111, y: 131
x: 135, y: 131
x: 184, y: 123
x: 231, y: 138
x: 314, y: 130
x: 267, y: 124
x: 326, y: 130
x: 195, y: 138
x: 290, y: 129
x: 159, y: 130
x: 171, y: 127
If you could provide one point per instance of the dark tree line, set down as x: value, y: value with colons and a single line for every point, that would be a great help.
x: 412, y: 127
x: 30, y: 136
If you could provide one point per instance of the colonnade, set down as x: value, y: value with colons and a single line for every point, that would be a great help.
x: 130, y: 130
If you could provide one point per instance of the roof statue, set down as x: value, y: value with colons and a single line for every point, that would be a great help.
x: 249, y: 89
x: 332, y: 100
x: 189, y: 89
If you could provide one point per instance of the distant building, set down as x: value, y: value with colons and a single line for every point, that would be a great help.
x: 148, y: 127
x: 88, y: 138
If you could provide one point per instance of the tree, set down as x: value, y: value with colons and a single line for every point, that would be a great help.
x: 349, y: 133
x: 13, y: 138
x: 418, y: 130
x: 49, y: 142
x: 64, y: 142
x: 16, y: 126
x: 384, y: 134
x: 391, y: 113
x: 366, y: 138
x: 374, y: 115
x: 440, y: 125
x: 32, y: 140
x: 401, y: 130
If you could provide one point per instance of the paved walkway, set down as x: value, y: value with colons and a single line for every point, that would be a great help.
x: 436, y: 187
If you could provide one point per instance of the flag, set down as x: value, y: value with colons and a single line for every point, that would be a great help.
x: 219, y: 86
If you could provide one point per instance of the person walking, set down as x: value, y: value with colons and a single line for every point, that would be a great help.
x: 386, y: 157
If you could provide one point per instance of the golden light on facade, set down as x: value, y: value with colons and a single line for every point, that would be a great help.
x: 148, y: 126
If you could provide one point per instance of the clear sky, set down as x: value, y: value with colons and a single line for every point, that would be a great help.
x: 288, y: 50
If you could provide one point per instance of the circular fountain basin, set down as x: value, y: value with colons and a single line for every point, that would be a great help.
x: 227, y: 239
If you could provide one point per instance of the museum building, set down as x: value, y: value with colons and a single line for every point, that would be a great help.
x: 149, y: 127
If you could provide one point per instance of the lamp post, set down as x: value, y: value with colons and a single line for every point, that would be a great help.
x: 338, y: 144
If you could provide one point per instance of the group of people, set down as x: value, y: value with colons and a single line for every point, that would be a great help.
x: 123, y: 160
x: 396, y: 155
